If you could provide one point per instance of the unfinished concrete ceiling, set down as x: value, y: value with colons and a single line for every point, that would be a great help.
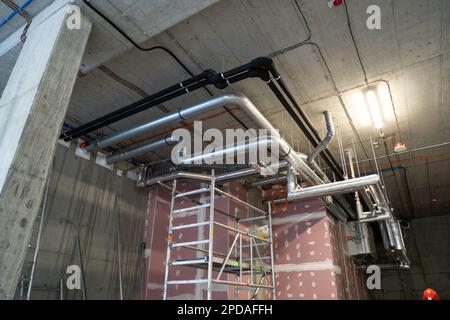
x: 410, y: 52
x: 33, y: 9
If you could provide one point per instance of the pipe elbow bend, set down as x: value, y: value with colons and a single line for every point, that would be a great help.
x: 236, y: 98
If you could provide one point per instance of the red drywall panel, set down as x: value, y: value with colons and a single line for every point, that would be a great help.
x: 311, y: 259
x: 156, y: 241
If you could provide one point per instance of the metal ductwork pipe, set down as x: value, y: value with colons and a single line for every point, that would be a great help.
x: 133, y: 152
x: 262, y: 142
x: 285, y: 150
x: 392, y: 235
x: 322, y: 146
x: 291, y: 180
x: 381, y: 217
x: 358, y: 204
x: 178, y: 175
x: 396, y: 233
x: 328, y: 138
x: 384, y: 234
x: 246, y: 172
x: 183, y: 113
x: 265, y: 182
x: 334, y: 188
x: 219, y: 178
x: 294, y: 158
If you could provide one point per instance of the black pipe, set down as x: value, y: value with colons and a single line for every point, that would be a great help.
x: 166, y: 50
x: 134, y: 43
x: 262, y: 68
x: 261, y: 62
x: 208, y: 77
x: 143, y: 104
x: 312, y: 134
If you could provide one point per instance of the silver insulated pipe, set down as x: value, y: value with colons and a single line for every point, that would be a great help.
x: 322, y: 146
x: 183, y: 113
x: 295, y: 159
x: 246, y: 105
x: 133, y: 152
x: 334, y: 188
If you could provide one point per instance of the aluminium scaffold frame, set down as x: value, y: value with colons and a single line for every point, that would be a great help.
x: 235, y: 261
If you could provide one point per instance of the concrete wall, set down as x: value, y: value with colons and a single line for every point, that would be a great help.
x: 428, y: 245
x: 88, y: 199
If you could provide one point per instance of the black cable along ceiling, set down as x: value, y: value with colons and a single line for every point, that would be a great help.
x: 312, y: 136
x: 307, y: 41
x: 166, y: 50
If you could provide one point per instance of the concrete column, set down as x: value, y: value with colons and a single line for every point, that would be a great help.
x: 32, y: 111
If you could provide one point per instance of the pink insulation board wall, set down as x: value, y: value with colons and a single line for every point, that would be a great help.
x: 311, y: 260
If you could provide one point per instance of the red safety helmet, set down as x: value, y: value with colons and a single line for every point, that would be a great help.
x: 430, y: 294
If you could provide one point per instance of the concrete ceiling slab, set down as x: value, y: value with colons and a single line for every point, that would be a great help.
x: 18, y: 21
x: 411, y: 52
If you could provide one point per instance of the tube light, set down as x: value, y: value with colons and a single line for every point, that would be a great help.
x: 374, y: 108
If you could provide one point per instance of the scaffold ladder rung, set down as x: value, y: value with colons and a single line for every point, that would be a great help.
x: 192, y: 193
x: 188, y: 262
x: 190, y: 243
x: 251, y: 265
x: 195, y: 281
x: 192, y: 225
x: 206, y: 205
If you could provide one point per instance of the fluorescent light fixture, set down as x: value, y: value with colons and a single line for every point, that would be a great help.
x: 357, y: 105
x: 373, y: 104
x: 385, y: 102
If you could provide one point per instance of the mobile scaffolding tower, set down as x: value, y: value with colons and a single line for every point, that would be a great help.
x: 244, y: 258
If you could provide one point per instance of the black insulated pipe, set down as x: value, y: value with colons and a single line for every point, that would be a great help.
x: 312, y: 134
x: 167, y: 94
x: 262, y: 68
x: 207, y: 77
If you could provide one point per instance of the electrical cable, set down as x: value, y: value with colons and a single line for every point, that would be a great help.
x: 298, y: 44
x: 237, y: 77
x: 169, y: 52
x: 13, y: 6
x: 392, y: 102
x: 356, y: 157
x: 394, y: 176
x: 225, y: 75
x: 128, y: 84
x: 330, y: 160
x: 394, y: 109
x: 354, y: 43
x: 17, y: 10
x: 327, y: 68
